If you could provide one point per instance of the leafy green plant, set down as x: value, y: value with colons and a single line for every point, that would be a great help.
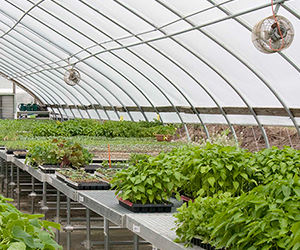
x: 42, y: 153
x: 63, y: 152
x: 166, y: 130
x: 136, y: 158
x: 214, y: 169
x: 275, y: 164
x: 70, y: 153
x: 192, y: 220
x: 24, y: 231
x: 265, y: 218
x: 148, y: 182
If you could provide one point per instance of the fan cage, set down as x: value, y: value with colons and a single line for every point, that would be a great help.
x: 266, y: 37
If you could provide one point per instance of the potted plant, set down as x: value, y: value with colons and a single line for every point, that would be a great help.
x: 147, y: 186
x: 165, y: 133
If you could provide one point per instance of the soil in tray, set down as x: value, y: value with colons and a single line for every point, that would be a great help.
x: 146, y: 208
x: 206, y: 246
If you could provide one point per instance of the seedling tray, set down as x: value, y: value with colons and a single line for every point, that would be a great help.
x: 91, y: 168
x: 146, y: 208
x: 206, y: 246
x: 87, y: 185
x: 50, y: 169
x: 11, y: 150
x: 60, y: 177
x: 20, y: 154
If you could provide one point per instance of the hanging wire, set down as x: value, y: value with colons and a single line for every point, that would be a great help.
x: 255, y: 138
x: 278, y: 26
x: 287, y: 131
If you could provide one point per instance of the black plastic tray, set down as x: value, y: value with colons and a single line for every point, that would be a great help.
x: 20, y: 156
x: 91, y: 168
x: 146, y: 208
x: 11, y: 150
x: 206, y: 246
x: 87, y: 185
x: 50, y: 169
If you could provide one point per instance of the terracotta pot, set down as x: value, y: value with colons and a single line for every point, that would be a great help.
x: 160, y: 137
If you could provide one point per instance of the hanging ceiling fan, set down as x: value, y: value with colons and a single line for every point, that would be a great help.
x: 273, y: 34
x: 72, y: 77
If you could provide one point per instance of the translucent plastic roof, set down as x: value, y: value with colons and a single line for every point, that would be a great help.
x: 188, y: 61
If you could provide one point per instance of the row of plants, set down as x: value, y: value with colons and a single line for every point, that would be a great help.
x: 14, y: 129
x: 108, y: 129
x: 98, y: 144
x: 19, y: 231
x: 190, y: 171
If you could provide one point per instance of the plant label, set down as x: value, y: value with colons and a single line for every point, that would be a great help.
x: 80, y: 198
x: 136, y: 229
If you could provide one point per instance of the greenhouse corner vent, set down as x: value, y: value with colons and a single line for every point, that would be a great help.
x: 72, y: 77
x: 268, y: 38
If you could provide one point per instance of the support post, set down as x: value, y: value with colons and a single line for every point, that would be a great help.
x: 68, y: 228
x: 18, y: 189
x: 44, y: 207
x: 12, y: 184
x: 32, y: 195
x: 136, y: 242
x: 106, y: 234
x: 2, y: 175
x: 6, y: 179
x: 57, y: 218
x: 88, y: 243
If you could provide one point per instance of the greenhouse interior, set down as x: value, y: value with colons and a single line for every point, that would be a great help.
x: 149, y: 125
